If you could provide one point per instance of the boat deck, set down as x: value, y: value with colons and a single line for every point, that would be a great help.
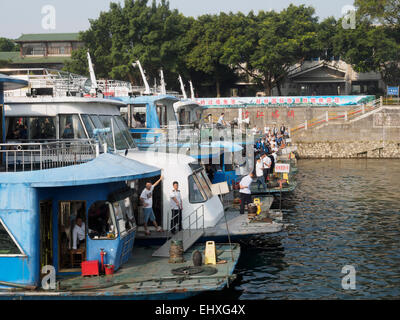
x: 256, y: 191
x: 144, y: 277
x: 240, y: 226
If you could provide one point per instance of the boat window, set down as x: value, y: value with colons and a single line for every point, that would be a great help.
x: 101, y: 221
x: 71, y: 127
x: 196, y: 192
x: 138, y: 113
x: 31, y: 128
x: 204, y: 182
x: 125, y: 131
x: 124, y: 215
x: 120, y: 141
x: 88, y: 125
x: 99, y: 125
x: 8, y: 246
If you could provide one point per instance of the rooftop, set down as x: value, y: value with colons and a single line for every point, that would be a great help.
x: 38, y: 37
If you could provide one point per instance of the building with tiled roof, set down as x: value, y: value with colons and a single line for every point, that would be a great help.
x: 47, y: 50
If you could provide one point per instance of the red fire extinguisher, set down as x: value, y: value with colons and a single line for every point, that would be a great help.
x: 102, y: 254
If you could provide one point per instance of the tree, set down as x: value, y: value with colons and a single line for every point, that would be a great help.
x: 6, y: 45
x: 267, y: 45
x: 206, y: 40
x: 370, y: 48
x: 135, y: 31
x: 386, y: 12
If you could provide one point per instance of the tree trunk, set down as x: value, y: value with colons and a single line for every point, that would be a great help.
x: 218, y: 84
x: 279, y: 89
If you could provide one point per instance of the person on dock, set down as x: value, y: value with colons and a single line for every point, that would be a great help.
x: 260, y: 174
x: 245, y: 192
x: 146, y: 199
x: 176, y: 208
x: 267, y: 166
x: 221, y: 122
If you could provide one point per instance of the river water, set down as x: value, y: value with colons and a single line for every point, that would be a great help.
x: 343, y: 212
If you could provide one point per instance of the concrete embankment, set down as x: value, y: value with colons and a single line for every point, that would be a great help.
x: 373, y: 135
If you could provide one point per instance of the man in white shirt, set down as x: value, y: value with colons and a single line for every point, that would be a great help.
x: 267, y: 166
x: 78, y: 234
x: 176, y: 208
x: 260, y: 174
x: 146, y: 198
x: 245, y: 192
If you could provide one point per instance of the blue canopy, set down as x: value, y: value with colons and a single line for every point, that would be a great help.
x: 145, y: 99
x: 106, y: 168
x: 8, y: 83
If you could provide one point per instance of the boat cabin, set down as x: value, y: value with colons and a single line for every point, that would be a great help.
x: 41, y: 209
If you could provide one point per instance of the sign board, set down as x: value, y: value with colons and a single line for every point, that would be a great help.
x: 288, y: 140
x: 292, y: 101
x: 220, y: 188
x: 393, y: 91
x: 282, y: 168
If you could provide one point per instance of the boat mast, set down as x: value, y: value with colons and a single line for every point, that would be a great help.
x: 191, y: 90
x: 163, y: 84
x: 94, y: 87
x: 183, y: 88
x: 146, y: 84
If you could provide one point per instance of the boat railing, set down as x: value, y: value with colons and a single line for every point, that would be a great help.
x: 192, y: 224
x: 16, y: 157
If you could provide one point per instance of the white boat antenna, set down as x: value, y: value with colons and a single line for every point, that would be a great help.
x: 183, y: 88
x: 94, y: 87
x: 192, y: 90
x: 163, y: 84
x: 146, y: 84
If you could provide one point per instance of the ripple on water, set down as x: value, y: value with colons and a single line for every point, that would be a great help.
x: 344, y: 212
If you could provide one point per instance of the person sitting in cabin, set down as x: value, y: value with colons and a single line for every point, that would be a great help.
x: 78, y: 234
x: 146, y: 199
x: 221, y: 124
x: 245, y: 192
x: 176, y: 208
x: 260, y: 174
x: 68, y: 131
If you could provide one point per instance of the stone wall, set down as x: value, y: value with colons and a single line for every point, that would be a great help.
x: 375, y: 135
x: 348, y: 149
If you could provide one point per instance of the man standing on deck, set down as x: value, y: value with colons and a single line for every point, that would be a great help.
x: 146, y: 198
x: 176, y: 208
x: 260, y: 174
x: 245, y: 192
x: 267, y: 166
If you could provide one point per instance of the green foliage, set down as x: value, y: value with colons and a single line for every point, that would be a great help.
x: 6, y: 45
x: 371, y: 46
x: 382, y: 11
x: 267, y: 45
x: 215, y: 51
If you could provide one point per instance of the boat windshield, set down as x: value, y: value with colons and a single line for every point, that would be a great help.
x: 123, y: 139
x: 196, y: 192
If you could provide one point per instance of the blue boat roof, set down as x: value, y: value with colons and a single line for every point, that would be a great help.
x: 9, y: 83
x: 106, y: 168
x: 145, y: 99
